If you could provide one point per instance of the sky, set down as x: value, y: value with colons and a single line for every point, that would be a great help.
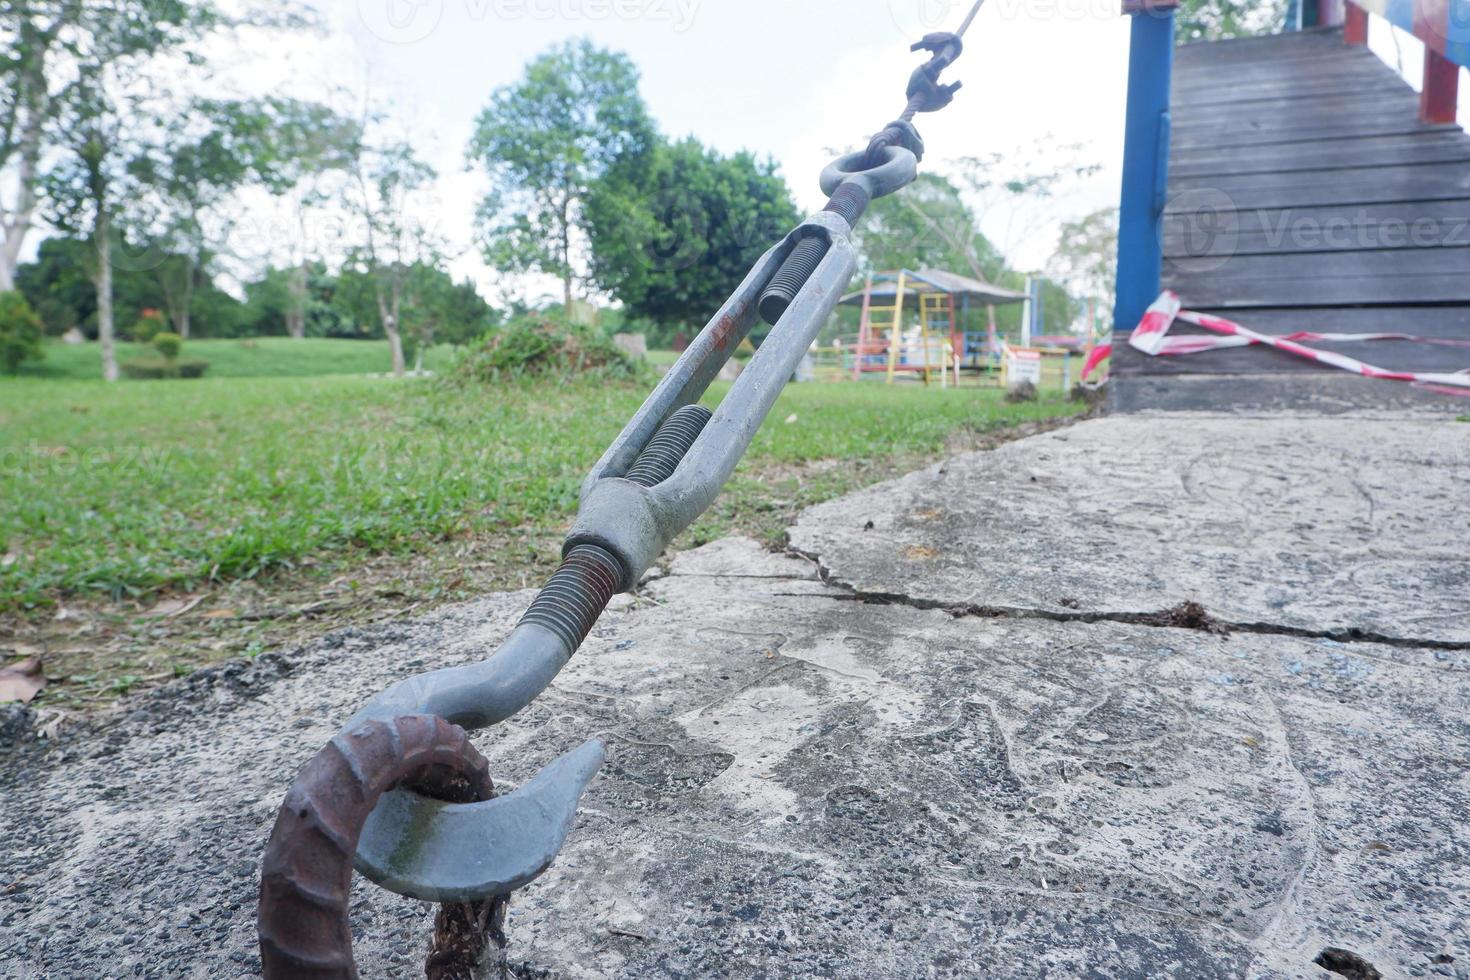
x: 788, y: 79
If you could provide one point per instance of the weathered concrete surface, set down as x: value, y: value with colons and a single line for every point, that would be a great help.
x: 1355, y: 526
x: 800, y: 784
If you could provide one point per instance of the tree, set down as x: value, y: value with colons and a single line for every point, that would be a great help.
x: 97, y: 126
x: 1210, y: 20
x: 1015, y: 194
x: 439, y: 310
x: 673, y: 238
x: 354, y: 301
x: 467, y: 317
x: 308, y: 142
x: 58, y: 287
x: 931, y: 224
x: 928, y: 224
x: 301, y: 293
x: 31, y: 33
x: 386, y: 180
x: 195, y: 168
x: 1086, y: 256
x: 544, y: 141
x: 20, y: 332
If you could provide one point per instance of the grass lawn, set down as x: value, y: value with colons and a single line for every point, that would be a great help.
x: 256, y: 357
x: 149, y: 526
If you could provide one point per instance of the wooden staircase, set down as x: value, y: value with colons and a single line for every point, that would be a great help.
x: 1305, y: 194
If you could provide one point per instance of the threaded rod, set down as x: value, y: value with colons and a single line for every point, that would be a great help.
x: 661, y: 456
x: 576, y: 594
x: 849, y: 203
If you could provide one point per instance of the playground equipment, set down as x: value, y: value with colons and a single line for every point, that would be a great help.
x: 885, y: 344
x: 939, y: 338
x: 401, y: 793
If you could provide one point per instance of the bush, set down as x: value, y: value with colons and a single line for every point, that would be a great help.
x: 1022, y: 391
x: 20, y: 332
x: 543, y: 345
x: 150, y: 324
x: 168, y: 344
x: 151, y: 369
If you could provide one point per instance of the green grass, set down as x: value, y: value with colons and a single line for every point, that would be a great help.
x: 124, y: 490
x: 261, y: 357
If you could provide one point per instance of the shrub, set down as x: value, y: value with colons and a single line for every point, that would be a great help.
x: 543, y: 345
x: 168, y: 344
x: 154, y: 369
x: 150, y: 324
x: 20, y: 332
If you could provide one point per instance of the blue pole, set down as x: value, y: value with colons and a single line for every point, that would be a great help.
x: 1145, y: 165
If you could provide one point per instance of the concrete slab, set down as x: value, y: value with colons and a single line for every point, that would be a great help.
x: 802, y: 784
x: 1350, y: 526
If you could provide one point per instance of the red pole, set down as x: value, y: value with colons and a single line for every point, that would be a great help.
x: 1355, y: 24
x: 1439, y: 96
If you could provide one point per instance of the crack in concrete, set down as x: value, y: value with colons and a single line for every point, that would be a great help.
x: 1165, y: 618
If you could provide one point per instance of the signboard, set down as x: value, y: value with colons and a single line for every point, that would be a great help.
x: 1022, y: 365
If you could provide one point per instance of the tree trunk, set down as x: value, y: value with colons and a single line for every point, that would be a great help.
x: 395, y: 344
x: 180, y: 312
x: 296, y: 305
x: 566, y: 256
x: 8, y: 262
x: 188, y: 301
x: 17, y: 221
x: 388, y: 313
x: 101, y: 239
x: 418, y: 360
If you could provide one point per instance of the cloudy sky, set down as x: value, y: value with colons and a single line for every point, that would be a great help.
x: 788, y: 78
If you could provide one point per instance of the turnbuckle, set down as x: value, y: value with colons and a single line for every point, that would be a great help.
x: 400, y: 793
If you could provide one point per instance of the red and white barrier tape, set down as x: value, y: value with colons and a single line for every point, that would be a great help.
x: 1151, y: 337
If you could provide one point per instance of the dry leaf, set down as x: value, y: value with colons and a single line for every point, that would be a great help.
x: 791, y: 418
x: 171, y: 608
x: 22, y: 681
x: 167, y: 607
x: 221, y: 614
x: 921, y: 551
x: 8, y: 559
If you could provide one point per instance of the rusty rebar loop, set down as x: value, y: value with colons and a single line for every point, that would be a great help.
x: 306, y: 875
